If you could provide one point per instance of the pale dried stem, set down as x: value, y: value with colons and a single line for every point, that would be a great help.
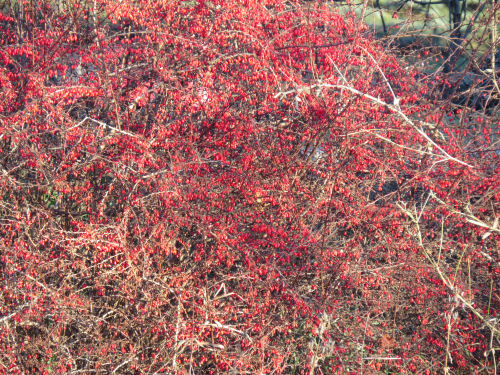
x: 176, y: 336
x: 103, y: 124
x: 395, y: 108
x: 415, y: 218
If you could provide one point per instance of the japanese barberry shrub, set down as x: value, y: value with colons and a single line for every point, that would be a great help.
x: 209, y: 187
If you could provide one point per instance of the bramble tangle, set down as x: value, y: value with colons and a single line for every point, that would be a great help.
x: 207, y: 187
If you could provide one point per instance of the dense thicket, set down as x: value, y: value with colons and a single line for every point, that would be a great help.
x: 203, y: 187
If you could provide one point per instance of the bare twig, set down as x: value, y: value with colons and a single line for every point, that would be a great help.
x: 392, y: 107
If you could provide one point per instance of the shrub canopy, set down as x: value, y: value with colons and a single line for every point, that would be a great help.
x: 246, y: 186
